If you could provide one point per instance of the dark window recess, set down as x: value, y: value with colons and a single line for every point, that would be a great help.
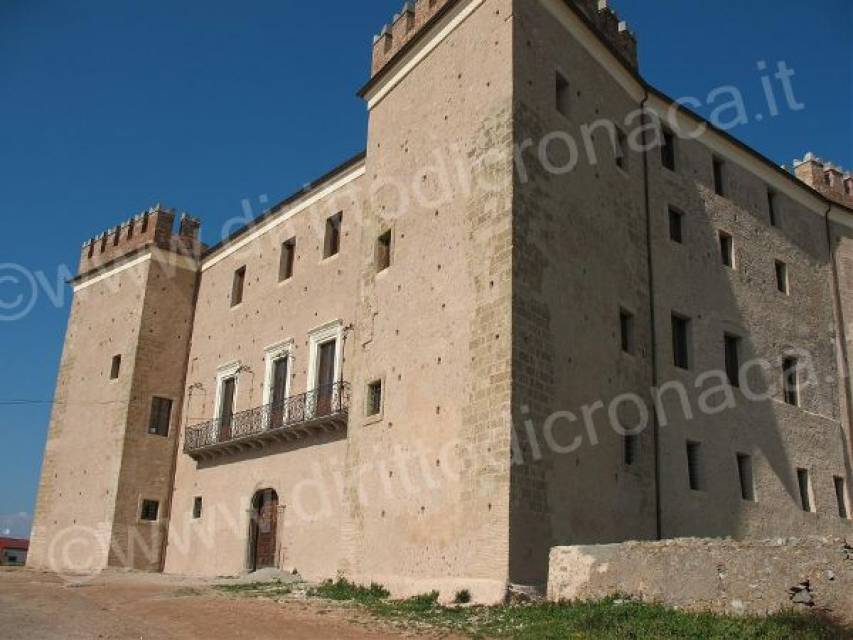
x: 727, y: 249
x: 667, y: 150
x: 288, y: 257
x: 197, y: 506
x: 630, y: 449
x: 237, y: 286
x: 115, y: 369
x: 621, y: 150
x: 150, y: 510
x: 747, y: 482
x: 791, y: 381
x: 374, y: 398
x: 719, y: 187
x: 782, y: 277
x: 805, y: 489
x: 383, y: 251
x: 332, y: 243
x: 732, y: 347
x: 626, y: 330
x: 563, y: 95
x: 161, y: 416
x: 772, y: 209
x: 841, y: 497
x: 676, y: 225
x: 680, y: 337
x: 694, y: 466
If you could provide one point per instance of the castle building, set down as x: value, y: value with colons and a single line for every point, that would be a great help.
x: 547, y: 306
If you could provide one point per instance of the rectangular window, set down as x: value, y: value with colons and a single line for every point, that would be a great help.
x: 747, y: 482
x: 791, y: 381
x: 161, y: 416
x: 727, y: 249
x: 626, y: 330
x: 805, y: 484
x: 676, y: 225
x: 782, y: 277
x: 287, y: 260
x: 630, y: 449
x: 841, y: 497
x: 667, y: 150
x: 680, y: 341
x: 383, y: 251
x: 719, y: 187
x: 732, y: 347
x: 150, y: 510
x: 563, y: 95
x: 374, y: 398
x: 772, y: 209
x: 237, y: 286
x: 621, y: 149
x: 115, y: 369
x: 694, y: 466
x: 197, y: 505
x: 332, y: 243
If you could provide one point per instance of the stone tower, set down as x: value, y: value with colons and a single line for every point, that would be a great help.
x: 108, y: 466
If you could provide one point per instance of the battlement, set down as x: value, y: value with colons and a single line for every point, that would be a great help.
x: 153, y: 227
x: 831, y: 180
x: 412, y: 18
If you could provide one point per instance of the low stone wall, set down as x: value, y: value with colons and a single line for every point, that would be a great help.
x: 724, y: 576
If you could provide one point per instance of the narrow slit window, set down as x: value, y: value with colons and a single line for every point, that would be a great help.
x: 791, y: 381
x: 732, y: 348
x: 115, y: 368
x: 332, y: 243
x: 626, y: 330
x: 782, y: 277
x: 630, y: 449
x: 772, y: 208
x: 694, y: 466
x: 676, y: 225
x: 287, y: 260
x: 805, y: 484
x: 161, y: 417
x: 374, y: 398
x: 563, y: 95
x: 197, y: 507
x: 237, y: 286
x: 383, y: 251
x: 621, y: 150
x: 727, y: 249
x: 719, y: 175
x: 841, y: 497
x: 747, y: 482
x: 667, y: 150
x: 150, y: 511
x: 680, y: 341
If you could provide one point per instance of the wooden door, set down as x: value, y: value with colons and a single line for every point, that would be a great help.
x: 266, y: 529
x: 279, y: 393
x: 226, y: 409
x: 325, y: 377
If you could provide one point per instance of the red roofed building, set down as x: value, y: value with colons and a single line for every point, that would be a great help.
x: 13, y: 552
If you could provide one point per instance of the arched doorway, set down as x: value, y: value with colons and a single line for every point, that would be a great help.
x: 264, y: 529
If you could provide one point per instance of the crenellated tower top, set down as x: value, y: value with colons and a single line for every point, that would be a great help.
x: 831, y: 180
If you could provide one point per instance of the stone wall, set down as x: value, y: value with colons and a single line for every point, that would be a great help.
x: 712, y: 575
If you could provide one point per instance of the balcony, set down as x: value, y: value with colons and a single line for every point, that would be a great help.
x: 321, y: 411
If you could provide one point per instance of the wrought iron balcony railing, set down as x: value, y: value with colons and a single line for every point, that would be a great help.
x: 323, y: 409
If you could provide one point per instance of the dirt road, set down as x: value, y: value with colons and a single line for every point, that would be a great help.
x: 36, y: 606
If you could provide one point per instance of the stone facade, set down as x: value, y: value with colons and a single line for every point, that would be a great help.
x: 468, y: 290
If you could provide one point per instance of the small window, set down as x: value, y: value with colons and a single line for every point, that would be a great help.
x: 732, y: 348
x: 694, y: 466
x: 332, y: 243
x: 564, y: 95
x: 680, y: 341
x: 676, y: 225
x: 115, y: 369
x: 287, y: 260
x: 237, y: 286
x: 782, y: 277
x: 626, y: 330
x: 150, y: 510
x: 630, y: 449
x: 667, y: 150
x: 621, y: 150
x: 727, y: 249
x: 161, y: 417
x: 805, y: 485
x: 719, y: 187
x: 747, y: 482
x: 374, y: 398
x: 197, y: 506
x: 841, y: 497
x: 790, y: 381
x: 383, y: 251
x: 772, y: 209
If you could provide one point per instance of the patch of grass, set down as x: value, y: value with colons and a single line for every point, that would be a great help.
x: 257, y: 589
x: 343, y: 590
x: 462, y: 597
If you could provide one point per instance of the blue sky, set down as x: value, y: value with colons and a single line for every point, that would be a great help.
x: 108, y: 106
